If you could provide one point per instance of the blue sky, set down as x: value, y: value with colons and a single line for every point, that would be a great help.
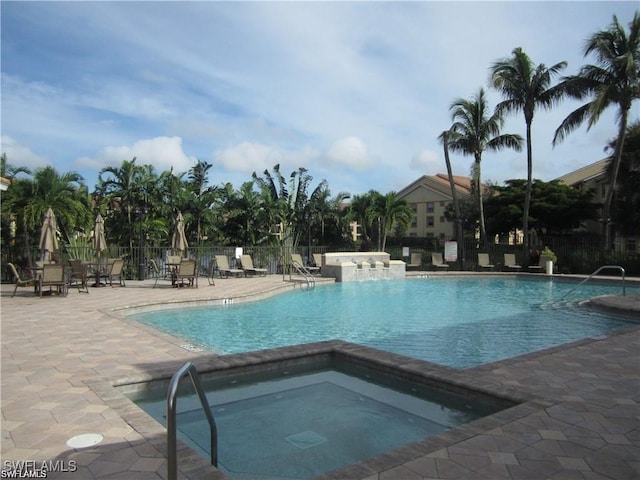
x: 356, y: 92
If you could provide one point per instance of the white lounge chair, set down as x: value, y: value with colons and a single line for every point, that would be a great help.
x: 483, y: 262
x: 222, y: 264
x: 510, y: 262
x: 296, y: 260
x: 438, y: 262
x: 416, y: 261
x: 247, y: 266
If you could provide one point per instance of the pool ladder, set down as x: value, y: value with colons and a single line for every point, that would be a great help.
x: 604, y: 267
x: 172, y: 449
x: 304, y: 271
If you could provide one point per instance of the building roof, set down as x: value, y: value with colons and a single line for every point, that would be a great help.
x: 586, y: 173
x: 4, y: 183
x: 438, y: 183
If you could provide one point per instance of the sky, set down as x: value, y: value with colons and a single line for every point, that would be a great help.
x: 355, y: 92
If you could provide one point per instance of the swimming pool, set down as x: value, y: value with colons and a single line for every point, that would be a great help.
x: 459, y: 322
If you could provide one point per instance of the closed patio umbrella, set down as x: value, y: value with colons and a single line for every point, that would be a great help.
x: 179, y: 242
x: 48, y: 236
x: 99, y: 241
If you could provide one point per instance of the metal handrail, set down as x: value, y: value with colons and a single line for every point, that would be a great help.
x: 604, y: 267
x: 172, y: 451
x: 304, y: 271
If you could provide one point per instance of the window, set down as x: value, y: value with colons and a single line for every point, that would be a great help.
x: 430, y: 207
x: 441, y: 218
x: 442, y: 204
x: 430, y: 221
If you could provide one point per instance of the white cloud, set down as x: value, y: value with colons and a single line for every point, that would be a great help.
x: 427, y: 162
x: 249, y: 157
x: 21, y: 156
x: 161, y: 152
x: 352, y: 153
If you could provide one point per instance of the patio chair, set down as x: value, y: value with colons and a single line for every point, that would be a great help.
x: 53, y: 275
x: 510, y: 262
x: 483, y: 262
x: 437, y: 262
x: 20, y: 282
x: 187, y: 271
x: 78, y: 275
x: 157, y: 273
x: 222, y: 264
x: 542, y: 263
x: 416, y: 261
x: 247, y: 265
x: 114, y: 271
x: 317, y: 260
x: 296, y: 260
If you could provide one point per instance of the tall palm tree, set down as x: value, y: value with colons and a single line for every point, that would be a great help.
x: 444, y: 139
x: 613, y: 81
x: 475, y: 130
x: 202, y: 198
x: 121, y: 187
x: 525, y: 86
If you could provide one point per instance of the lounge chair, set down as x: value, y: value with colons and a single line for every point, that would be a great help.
x: 222, y: 264
x: 157, y: 273
x: 437, y: 262
x: 483, y: 262
x: 52, y: 276
x: 416, y: 261
x: 187, y: 270
x: 510, y: 262
x: 114, y: 271
x: 247, y: 265
x: 542, y: 263
x: 78, y: 275
x: 317, y: 260
x: 296, y: 260
x: 20, y: 282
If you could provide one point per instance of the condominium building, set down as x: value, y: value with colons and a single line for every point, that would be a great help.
x: 429, y: 196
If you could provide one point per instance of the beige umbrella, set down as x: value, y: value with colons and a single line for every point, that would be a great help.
x: 48, y: 236
x: 179, y: 242
x: 99, y: 241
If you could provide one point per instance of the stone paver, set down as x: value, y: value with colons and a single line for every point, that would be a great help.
x: 580, y: 416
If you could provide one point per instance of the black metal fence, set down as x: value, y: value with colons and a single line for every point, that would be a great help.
x: 581, y: 255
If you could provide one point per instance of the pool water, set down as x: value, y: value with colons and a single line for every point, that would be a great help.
x: 459, y: 322
x: 304, y: 425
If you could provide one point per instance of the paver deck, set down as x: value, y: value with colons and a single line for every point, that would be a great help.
x: 582, y: 420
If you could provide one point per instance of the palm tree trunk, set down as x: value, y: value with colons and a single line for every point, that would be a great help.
x: 527, y: 198
x: 606, y: 208
x: 454, y: 196
x: 483, y: 230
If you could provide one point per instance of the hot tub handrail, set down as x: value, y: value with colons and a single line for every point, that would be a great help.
x: 172, y: 394
x: 604, y: 267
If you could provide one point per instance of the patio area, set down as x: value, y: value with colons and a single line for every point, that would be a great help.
x: 581, y: 418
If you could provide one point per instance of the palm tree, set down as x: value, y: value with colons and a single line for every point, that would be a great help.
x: 475, y: 130
x: 391, y: 212
x: 614, y: 80
x: 66, y: 194
x: 121, y: 187
x: 525, y: 87
x: 444, y: 138
x: 201, y: 199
